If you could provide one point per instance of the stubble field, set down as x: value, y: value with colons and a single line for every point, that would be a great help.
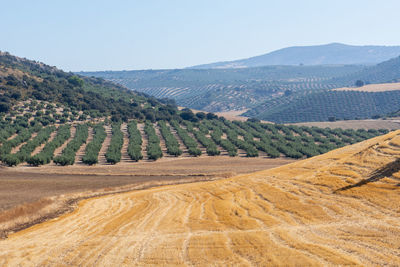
x: 340, y: 208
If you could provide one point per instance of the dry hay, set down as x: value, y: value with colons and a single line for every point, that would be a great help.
x: 340, y: 208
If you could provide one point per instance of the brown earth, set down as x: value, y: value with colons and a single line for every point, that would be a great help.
x: 390, y: 124
x: 24, y: 186
x: 340, y: 208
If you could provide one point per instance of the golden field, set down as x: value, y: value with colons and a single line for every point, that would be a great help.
x: 340, y: 208
x: 379, y: 87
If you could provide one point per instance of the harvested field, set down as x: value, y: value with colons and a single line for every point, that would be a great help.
x: 24, y: 185
x: 340, y: 208
x: 390, y: 124
x: 379, y: 87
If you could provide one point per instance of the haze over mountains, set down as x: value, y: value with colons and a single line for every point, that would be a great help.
x: 334, y: 53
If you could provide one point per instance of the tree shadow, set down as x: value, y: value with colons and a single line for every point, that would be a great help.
x: 386, y: 171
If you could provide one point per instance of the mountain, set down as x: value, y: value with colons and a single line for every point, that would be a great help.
x: 334, y: 53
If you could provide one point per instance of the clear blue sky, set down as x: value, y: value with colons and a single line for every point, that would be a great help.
x: 143, y: 34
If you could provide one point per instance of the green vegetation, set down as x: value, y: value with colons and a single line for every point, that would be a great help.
x: 67, y: 156
x: 93, y: 148
x: 23, y: 136
x: 170, y: 140
x: 113, y: 154
x: 154, y: 151
x: 200, y: 135
x: 47, y: 153
x: 251, y: 137
x: 228, y: 89
x: 328, y: 105
x: 189, y: 142
x: 216, y: 134
x: 135, y: 142
x: 25, y: 150
x: 22, y: 79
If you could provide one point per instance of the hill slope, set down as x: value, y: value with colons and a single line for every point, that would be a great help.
x: 320, y: 106
x: 340, y: 208
x: 228, y: 89
x: 384, y: 72
x: 23, y: 79
x: 334, y: 53
x: 344, y: 105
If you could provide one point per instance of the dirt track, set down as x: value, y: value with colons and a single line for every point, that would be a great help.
x: 340, y: 208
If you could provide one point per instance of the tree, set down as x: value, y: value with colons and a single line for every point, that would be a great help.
x: 359, y: 83
x: 75, y: 81
x: 4, y: 107
x: 201, y: 115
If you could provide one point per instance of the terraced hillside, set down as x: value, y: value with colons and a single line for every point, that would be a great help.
x: 228, y: 89
x: 340, y: 208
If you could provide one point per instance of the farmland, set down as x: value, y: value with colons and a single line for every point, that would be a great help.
x: 84, y: 143
x: 228, y: 89
x: 312, y: 211
x: 320, y: 106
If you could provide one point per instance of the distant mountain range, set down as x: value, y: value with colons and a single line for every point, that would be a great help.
x: 329, y: 54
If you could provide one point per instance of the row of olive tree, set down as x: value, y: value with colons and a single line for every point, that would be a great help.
x: 67, y: 156
x: 92, y: 149
x: 113, y: 154
x: 135, y: 142
x: 47, y: 153
x: 170, y: 141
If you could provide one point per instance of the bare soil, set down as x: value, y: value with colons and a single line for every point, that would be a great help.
x: 380, y: 87
x: 23, y: 184
x: 390, y: 124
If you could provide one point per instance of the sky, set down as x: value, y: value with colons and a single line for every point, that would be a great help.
x: 90, y: 35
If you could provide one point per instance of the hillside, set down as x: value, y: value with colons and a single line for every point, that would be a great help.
x: 22, y: 79
x: 376, y: 87
x: 334, y: 53
x: 218, y: 90
x: 340, y: 208
x: 342, y: 104
x: 322, y: 106
x: 384, y: 72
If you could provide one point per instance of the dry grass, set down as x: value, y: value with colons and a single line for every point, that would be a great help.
x: 380, y: 87
x: 25, y: 215
x: 340, y: 208
x: 390, y: 124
